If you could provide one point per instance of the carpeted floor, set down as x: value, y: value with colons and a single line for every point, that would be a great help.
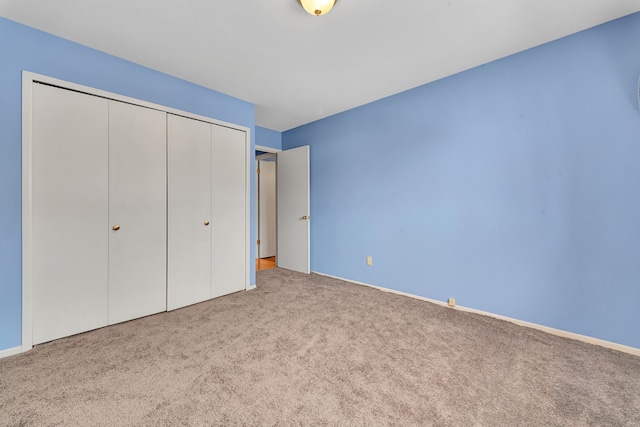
x: 310, y: 350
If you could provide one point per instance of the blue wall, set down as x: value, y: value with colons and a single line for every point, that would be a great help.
x: 513, y: 187
x: 23, y: 48
x: 268, y: 138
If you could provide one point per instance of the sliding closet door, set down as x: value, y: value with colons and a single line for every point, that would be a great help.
x: 137, y: 211
x: 229, y: 199
x: 189, y: 212
x: 70, y: 223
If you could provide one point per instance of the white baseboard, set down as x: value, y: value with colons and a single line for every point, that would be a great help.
x: 10, y: 351
x: 558, y: 332
x: 251, y: 287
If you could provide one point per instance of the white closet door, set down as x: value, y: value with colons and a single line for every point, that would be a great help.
x: 189, y: 212
x: 229, y: 197
x: 70, y: 223
x: 137, y: 209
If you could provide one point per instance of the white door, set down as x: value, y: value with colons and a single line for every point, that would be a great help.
x: 293, y: 209
x: 228, y: 219
x: 137, y: 211
x: 267, y: 208
x: 70, y: 222
x: 189, y: 212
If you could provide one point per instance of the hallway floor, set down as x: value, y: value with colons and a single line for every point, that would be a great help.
x: 265, y: 263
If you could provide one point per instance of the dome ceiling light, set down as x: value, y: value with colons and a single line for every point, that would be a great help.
x: 317, y: 7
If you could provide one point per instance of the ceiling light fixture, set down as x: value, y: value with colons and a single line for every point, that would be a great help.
x: 317, y: 7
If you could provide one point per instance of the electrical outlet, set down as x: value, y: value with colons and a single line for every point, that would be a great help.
x: 451, y: 302
x: 369, y: 260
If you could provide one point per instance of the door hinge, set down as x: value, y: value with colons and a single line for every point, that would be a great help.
x: 258, y: 171
x: 258, y: 241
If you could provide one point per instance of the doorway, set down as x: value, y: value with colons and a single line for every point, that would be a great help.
x: 285, y: 225
x: 266, y: 210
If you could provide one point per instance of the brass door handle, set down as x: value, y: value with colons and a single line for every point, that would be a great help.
x: 206, y: 223
x: 305, y: 217
x: 116, y: 227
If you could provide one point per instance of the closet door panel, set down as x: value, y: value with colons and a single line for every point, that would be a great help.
x: 70, y: 223
x: 189, y: 212
x: 137, y: 211
x: 229, y: 199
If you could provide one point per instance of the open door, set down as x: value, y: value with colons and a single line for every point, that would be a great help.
x: 293, y: 209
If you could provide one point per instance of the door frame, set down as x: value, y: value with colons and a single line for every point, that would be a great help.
x: 28, y: 80
x: 268, y: 152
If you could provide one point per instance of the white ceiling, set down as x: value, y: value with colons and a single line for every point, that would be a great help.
x: 297, y: 68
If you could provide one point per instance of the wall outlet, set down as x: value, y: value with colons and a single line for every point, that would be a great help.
x: 369, y: 260
x: 451, y: 302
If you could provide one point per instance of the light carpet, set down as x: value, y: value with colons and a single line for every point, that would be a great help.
x: 311, y: 350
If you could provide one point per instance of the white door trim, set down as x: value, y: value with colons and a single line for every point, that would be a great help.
x: 27, y: 212
x: 266, y: 149
x: 28, y: 79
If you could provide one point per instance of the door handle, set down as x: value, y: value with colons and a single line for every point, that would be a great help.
x: 116, y: 227
x: 306, y: 217
x: 206, y: 223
